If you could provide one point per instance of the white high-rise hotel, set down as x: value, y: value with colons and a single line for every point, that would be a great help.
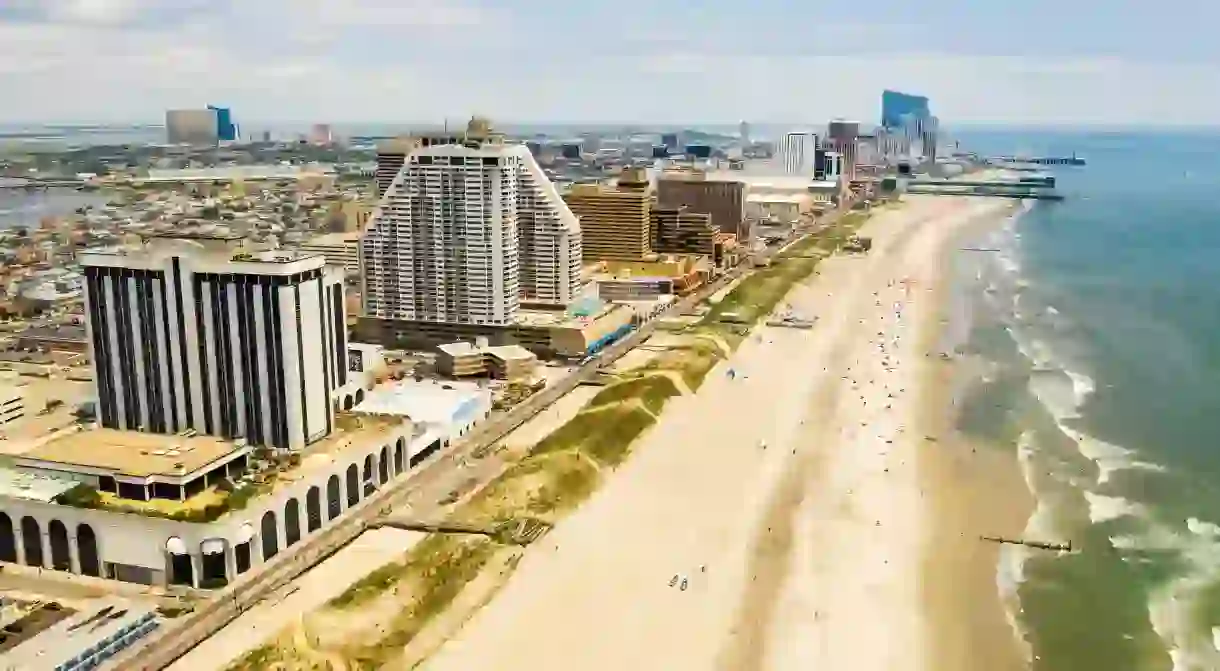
x: 197, y: 332
x: 467, y: 231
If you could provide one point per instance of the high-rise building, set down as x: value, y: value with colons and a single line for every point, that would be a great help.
x: 194, y: 127
x: 226, y: 130
x: 796, y: 152
x: 392, y: 154
x: 670, y: 140
x: 198, y: 332
x: 465, y: 232
x: 895, y: 106
x: 723, y: 199
x: 613, y: 221
x: 744, y: 132
x: 843, y: 137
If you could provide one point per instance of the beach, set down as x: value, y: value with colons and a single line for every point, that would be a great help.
x: 816, y: 503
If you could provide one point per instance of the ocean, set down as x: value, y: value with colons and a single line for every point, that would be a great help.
x: 1096, y: 329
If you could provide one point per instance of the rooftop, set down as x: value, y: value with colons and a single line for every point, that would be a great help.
x: 429, y: 402
x: 133, y: 453
x: 329, y: 239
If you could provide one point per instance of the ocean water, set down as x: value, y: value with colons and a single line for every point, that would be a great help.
x: 1097, y: 331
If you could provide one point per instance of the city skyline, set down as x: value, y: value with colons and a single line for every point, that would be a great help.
x: 128, y: 60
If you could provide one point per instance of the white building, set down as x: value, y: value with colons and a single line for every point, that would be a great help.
x: 795, y: 153
x: 196, y: 331
x: 467, y: 231
x: 392, y: 432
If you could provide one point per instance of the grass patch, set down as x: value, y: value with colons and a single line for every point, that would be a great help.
x: 439, y: 568
x: 652, y: 390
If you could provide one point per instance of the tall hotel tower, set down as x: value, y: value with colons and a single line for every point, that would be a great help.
x: 468, y: 229
x: 197, y: 332
x: 796, y: 153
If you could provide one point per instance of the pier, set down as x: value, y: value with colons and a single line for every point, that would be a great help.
x: 1035, y: 187
x: 1061, y: 547
x: 1040, y: 160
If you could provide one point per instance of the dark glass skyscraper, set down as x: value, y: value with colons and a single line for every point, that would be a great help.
x: 226, y: 130
x: 895, y: 106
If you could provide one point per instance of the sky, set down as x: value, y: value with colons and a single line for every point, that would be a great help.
x: 1109, y: 62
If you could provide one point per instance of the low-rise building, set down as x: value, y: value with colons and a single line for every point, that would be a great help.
x: 544, y: 330
x: 196, y: 510
x: 675, y: 275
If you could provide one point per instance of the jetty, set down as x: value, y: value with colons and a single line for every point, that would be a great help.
x: 1041, y: 160
x: 1060, y: 547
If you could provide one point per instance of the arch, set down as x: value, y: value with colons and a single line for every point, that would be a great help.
x: 181, y: 568
x: 400, y: 450
x: 313, y: 509
x: 292, y: 522
x: 334, y: 504
x: 86, y: 550
x: 383, y: 465
x: 353, y: 485
x: 31, y: 540
x: 8, y: 539
x: 347, y: 402
x: 269, y: 529
x: 242, y: 550
x: 369, y: 486
x: 213, y: 567
x: 61, y: 554
x: 359, y: 396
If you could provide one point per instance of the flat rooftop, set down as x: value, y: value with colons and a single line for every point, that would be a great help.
x: 133, y: 453
x: 430, y: 401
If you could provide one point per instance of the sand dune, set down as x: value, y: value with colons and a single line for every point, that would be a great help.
x: 809, y: 550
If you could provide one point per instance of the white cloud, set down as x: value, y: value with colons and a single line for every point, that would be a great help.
x: 420, y: 60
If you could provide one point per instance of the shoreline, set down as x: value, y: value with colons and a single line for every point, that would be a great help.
x: 987, y: 496
x: 794, y: 520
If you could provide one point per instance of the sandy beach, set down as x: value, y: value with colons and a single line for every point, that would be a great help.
x: 815, y: 504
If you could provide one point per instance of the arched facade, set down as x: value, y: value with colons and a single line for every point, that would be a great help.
x: 181, y: 569
x: 400, y: 451
x: 292, y: 522
x: 213, y: 563
x: 8, y: 539
x: 353, y: 485
x: 61, y: 549
x: 87, y: 552
x: 31, y: 541
x: 334, y: 498
x: 369, y: 484
x: 313, y: 509
x: 383, y: 465
x: 269, y: 530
